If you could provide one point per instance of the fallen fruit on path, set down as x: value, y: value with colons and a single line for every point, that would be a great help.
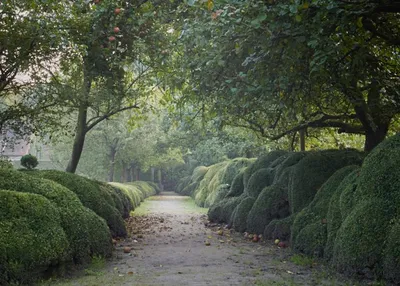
x: 114, y: 241
x: 220, y: 232
x: 127, y: 249
x: 282, y: 244
x: 255, y: 238
x: 207, y: 243
x: 277, y: 241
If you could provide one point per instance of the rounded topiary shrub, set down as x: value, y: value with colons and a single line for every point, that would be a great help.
x: 313, y: 170
x: 359, y: 242
x: 73, y: 214
x: 258, y: 181
x: 391, y: 254
x: 314, y: 216
x: 29, y: 161
x: 239, y: 219
x: 91, y: 197
x: 272, y: 203
x: 237, y: 187
x: 279, y: 228
x: 31, y: 237
x: 262, y: 162
x: 5, y: 163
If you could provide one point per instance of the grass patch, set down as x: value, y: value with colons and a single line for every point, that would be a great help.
x: 302, y: 260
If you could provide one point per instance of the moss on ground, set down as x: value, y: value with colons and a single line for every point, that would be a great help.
x: 272, y: 203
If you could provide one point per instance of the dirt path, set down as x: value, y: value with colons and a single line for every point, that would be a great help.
x: 168, y: 236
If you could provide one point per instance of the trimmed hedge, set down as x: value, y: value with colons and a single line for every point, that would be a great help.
x: 32, y: 237
x: 313, y: 170
x: 260, y: 179
x: 239, y: 219
x: 261, y: 163
x: 237, y: 186
x: 309, y: 233
x: 279, y: 228
x: 272, y: 203
x: 91, y: 197
x: 222, y: 211
x: 77, y: 222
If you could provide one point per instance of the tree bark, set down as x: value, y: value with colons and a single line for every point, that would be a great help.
x: 374, y: 137
x: 152, y: 174
x: 128, y: 173
x: 302, y: 140
x: 112, y: 165
x: 79, y: 140
x: 123, y: 173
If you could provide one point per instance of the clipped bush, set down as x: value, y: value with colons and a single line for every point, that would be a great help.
x: 314, y: 216
x: 258, y: 181
x: 237, y: 186
x: 29, y: 161
x: 359, y: 242
x: 91, y: 197
x: 131, y: 191
x: 279, y: 228
x: 75, y: 220
x: 239, y: 219
x: 34, y: 237
x: 284, y: 169
x: 391, y: 254
x: 313, y: 170
x: 272, y: 203
x: 222, y: 211
x: 5, y: 163
x: 262, y: 162
x: 185, y: 181
x: 199, y: 173
x: 336, y: 214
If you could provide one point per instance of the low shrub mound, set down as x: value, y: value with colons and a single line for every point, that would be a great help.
x: 91, y: 197
x: 237, y: 187
x: 262, y: 162
x: 309, y: 230
x: 121, y: 200
x: 391, y: 254
x: 184, y: 182
x: 313, y: 170
x: 76, y: 221
x: 145, y: 188
x: 284, y: 169
x: 279, y: 228
x: 222, y: 211
x: 260, y: 179
x: 35, y: 239
x: 239, y: 219
x: 272, y: 203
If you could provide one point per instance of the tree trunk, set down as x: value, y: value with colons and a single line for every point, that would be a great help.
x: 123, y: 173
x: 112, y: 165
x: 137, y: 174
x: 128, y: 174
x: 81, y: 125
x: 152, y: 174
x: 79, y: 140
x: 374, y: 137
x: 133, y: 172
x: 302, y: 140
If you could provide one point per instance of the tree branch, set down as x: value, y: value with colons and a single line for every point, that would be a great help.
x: 97, y: 120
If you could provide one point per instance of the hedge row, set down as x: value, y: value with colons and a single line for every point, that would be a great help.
x: 52, y: 218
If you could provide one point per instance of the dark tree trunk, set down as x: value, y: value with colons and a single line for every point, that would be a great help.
x: 79, y: 140
x: 374, y: 137
x: 152, y: 174
x: 112, y: 164
x: 302, y: 140
x: 128, y: 174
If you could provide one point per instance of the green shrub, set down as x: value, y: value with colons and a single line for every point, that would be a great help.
x: 335, y: 215
x: 239, y: 220
x: 131, y: 191
x: 5, y: 163
x: 262, y: 162
x: 284, y: 169
x: 360, y: 240
x: 258, y: 181
x: 272, y: 203
x: 91, y: 197
x: 121, y: 200
x: 222, y: 211
x: 237, y: 186
x: 391, y: 254
x: 29, y: 161
x: 189, y: 189
x: 314, y: 216
x: 32, y: 237
x: 199, y: 173
x: 74, y: 218
x: 183, y: 183
x: 279, y: 228
x: 313, y: 170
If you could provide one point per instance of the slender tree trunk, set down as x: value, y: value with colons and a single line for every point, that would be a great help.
x: 137, y: 174
x: 302, y: 140
x: 79, y: 140
x: 133, y: 171
x: 112, y: 164
x: 128, y: 174
x: 123, y: 173
x: 81, y: 125
x: 152, y: 174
